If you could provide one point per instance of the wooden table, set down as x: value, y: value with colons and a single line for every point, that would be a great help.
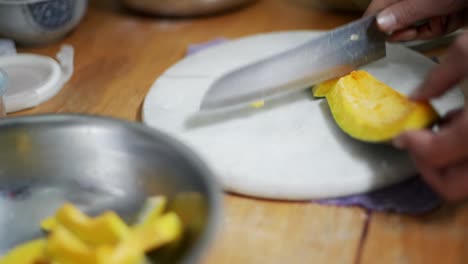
x: 119, y: 55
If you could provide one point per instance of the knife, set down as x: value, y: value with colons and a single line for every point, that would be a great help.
x: 332, y: 54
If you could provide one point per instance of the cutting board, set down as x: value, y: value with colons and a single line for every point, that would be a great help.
x: 291, y: 148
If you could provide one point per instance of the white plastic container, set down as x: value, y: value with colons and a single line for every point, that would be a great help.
x: 34, y: 79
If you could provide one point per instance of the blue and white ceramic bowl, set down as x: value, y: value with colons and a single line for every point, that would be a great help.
x: 38, y: 22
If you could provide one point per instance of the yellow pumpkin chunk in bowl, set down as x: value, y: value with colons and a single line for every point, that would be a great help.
x: 76, y: 238
x: 369, y: 110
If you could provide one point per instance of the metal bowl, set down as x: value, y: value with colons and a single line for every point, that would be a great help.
x: 183, y: 7
x: 39, y: 22
x: 101, y: 164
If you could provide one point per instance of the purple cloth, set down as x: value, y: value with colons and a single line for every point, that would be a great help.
x: 412, y: 196
x: 194, y: 48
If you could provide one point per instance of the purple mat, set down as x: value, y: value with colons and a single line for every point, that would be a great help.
x: 194, y: 48
x: 412, y: 196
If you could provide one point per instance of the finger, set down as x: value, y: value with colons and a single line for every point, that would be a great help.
x: 456, y: 20
x: 438, y: 150
x: 450, y: 117
x: 378, y: 5
x: 454, y: 182
x: 406, y: 13
x: 404, y: 35
x: 440, y: 26
x: 451, y: 184
x: 452, y: 70
x: 435, y: 27
x: 430, y: 175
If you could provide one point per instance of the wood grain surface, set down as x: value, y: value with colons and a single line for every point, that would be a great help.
x: 119, y: 54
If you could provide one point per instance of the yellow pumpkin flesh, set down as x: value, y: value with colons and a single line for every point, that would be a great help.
x: 371, y: 111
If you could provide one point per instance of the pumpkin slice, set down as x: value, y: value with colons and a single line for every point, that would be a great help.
x: 153, y: 208
x: 107, y: 228
x: 30, y: 252
x: 371, y: 111
x: 322, y: 89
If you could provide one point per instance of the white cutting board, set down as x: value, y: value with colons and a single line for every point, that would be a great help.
x: 291, y: 148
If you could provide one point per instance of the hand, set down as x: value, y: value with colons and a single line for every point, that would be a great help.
x: 442, y: 157
x: 399, y: 18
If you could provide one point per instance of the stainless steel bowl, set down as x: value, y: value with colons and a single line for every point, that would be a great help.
x: 39, y: 22
x: 183, y: 7
x: 3, y: 83
x: 99, y: 164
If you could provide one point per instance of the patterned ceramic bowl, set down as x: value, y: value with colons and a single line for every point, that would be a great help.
x: 38, y: 22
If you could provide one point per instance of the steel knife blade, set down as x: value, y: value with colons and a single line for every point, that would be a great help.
x: 333, y: 54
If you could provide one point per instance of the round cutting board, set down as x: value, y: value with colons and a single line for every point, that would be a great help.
x: 291, y: 148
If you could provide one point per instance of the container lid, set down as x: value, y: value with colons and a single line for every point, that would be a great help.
x: 34, y: 79
x: 3, y: 81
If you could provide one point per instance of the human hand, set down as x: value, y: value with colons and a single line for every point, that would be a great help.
x: 442, y: 156
x: 400, y: 18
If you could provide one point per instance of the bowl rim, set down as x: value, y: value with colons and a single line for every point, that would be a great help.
x: 214, y: 190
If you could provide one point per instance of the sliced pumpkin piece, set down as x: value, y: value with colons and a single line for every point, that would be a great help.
x: 371, y: 111
x: 258, y: 104
x: 122, y: 254
x: 107, y: 228
x: 76, y: 238
x: 322, y: 89
x: 153, y: 208
x: 30, y: 252
x: 49, y: 224
x: 65, y: 247
x: 163, y: 230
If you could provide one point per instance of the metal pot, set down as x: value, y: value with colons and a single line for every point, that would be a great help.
x: 183, y: 7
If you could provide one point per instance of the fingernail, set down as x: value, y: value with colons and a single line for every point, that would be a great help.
x: 399, y: 143
x: 386, y: 20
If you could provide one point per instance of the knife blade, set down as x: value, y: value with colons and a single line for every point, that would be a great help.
x: 332, y: 54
